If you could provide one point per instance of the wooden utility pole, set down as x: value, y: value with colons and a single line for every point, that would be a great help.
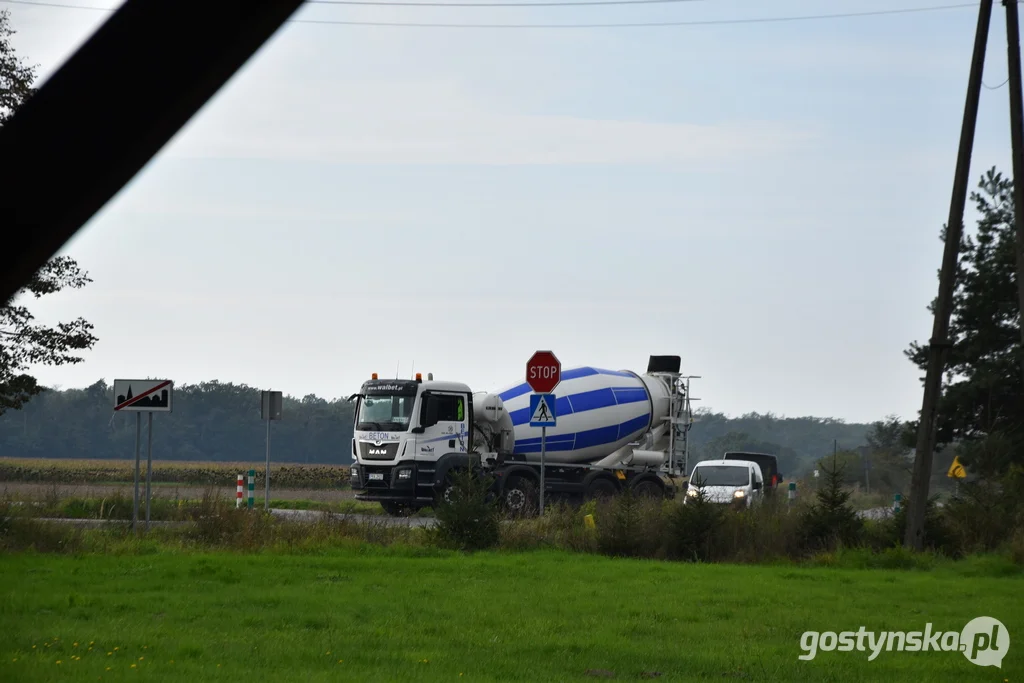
x: 1017, y: 141
x: 938, y: 345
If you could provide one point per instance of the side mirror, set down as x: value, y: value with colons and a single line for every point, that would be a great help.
x: 417, y: 430
x: 757, y: 486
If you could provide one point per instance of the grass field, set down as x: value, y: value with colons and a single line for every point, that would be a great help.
x: 392, y: 614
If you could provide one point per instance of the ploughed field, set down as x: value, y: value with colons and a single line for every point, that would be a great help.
x: 104, y: 488
x: 197, y: 474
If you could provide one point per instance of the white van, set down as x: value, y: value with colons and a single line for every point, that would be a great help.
x: 727, y: 481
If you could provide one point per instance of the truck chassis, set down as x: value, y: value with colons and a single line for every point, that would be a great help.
x: 408, y: 486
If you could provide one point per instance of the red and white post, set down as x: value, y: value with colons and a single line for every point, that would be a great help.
x: 241, y: 490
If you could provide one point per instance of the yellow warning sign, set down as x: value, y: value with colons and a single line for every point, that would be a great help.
x: 956, y: 470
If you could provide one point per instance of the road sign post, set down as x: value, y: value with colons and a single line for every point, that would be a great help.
x: 543, y: 373
x: 542, y: 414
x: 149, y: 463
x: 270, y: 409
x: 135, y: 503
x: 143, y: 396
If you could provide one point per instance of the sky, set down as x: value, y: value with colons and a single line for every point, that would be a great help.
x: 762, y: 199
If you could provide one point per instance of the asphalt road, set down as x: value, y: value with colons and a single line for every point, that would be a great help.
x: 292, y: 515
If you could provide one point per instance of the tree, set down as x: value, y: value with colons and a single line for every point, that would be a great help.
x: 888, y: 435
x: 983, y: 386
x: 22, y: 342
x: 16, y: 78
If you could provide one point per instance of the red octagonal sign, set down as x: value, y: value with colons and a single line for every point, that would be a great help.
x: 543, y: 372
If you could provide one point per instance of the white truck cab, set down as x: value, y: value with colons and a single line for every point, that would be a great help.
x: 737, y: 482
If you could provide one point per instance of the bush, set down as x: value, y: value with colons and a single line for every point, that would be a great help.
x: 629, y: 525
x: 987, y: 514
x: 563, y: 526
x: 831, y: 521
x: 766, y: 532
x: 691, y: 528
x: 939, y: 536
x: 470, y: 520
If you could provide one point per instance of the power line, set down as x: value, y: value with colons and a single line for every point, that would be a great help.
x: 707, y: 22
x: 996, y: 87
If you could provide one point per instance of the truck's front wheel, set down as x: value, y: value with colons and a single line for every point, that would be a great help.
x: 397, y: 509
x: 520, y: 497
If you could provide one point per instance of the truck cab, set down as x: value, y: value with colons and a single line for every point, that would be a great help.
x: 736, y: 482
x: 407, y: 435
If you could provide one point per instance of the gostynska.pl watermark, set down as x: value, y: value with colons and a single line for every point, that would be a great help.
x: 983, y: 641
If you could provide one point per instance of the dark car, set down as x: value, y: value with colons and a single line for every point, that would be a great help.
x: 769, y: 466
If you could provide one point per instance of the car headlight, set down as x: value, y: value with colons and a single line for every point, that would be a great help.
x: 692, y: 493
x: 739, y: 493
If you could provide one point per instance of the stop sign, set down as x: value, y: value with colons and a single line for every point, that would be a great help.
x: 543, y: 372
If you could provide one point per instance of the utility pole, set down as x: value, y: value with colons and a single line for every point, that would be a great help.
x: 938, y: 345
x: 1017, y: 142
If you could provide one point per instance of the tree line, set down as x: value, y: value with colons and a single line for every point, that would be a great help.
x: 220, y: 421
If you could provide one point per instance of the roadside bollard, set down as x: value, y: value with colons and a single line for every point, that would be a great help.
x: 238, y: 493
x: 792, y: 492
x: 588, y: 521
x: 896, y: 502
x: 252, y: 487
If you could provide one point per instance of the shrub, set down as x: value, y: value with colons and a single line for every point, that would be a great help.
x: 563, y: 526
x: 986, y: 514
x: 939, y: 536
x: 831, y: 521
x: 691, y: 527
x: 470, y: 519
x: 768, y: 531
x: 629, y: 525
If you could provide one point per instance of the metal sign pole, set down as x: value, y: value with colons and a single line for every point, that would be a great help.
x: 138, y: 437
x: 149, y: 466
x: 543, y: 458
x: 266, y: 478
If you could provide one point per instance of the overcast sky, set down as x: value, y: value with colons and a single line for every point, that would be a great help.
x: 762, y: 199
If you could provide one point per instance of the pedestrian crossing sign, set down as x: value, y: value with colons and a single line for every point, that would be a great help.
x: 542, y: 410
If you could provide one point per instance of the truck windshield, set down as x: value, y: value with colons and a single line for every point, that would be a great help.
x: 385, y: 412
x: 719, y: 475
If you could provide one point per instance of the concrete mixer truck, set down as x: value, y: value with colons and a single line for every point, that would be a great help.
x: 616, y: 430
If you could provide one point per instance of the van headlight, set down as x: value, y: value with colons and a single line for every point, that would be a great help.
x: 692, y: 493
x: 738, y: 493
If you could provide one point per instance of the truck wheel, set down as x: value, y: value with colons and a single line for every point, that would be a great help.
x: 444, y: 494
x: 397, y: 509
x: 601, y: 488
x: 648, y: 489
x: 520, y: 497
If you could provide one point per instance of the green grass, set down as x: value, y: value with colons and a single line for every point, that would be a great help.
x: 402, y: 614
